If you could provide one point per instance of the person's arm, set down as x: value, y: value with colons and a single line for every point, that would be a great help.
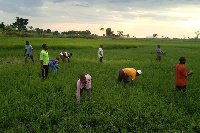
x: 78, y: 92
x: 190, y: 73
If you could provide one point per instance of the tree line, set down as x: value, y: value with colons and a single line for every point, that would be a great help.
x: 20, y: 26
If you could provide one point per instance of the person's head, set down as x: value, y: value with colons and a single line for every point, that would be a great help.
x: 101, y: 46
x: 57, y: 58
x: 158, y: 46
x: 83, y: 79
x: 27, y: 42
x: 70, y: 54
x: 138, y: 72
x: 45, y: 47
x: 182, y: 60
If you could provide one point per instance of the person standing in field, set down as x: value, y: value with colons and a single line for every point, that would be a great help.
x: 181, y: 74
x: 64, y: 55
x: 83, y: 83
x: 100, y: 53
x: 54, y: 64
x: 159, y: 53
x: 126, y: 72
x: 44, y: 60
x: 28, y: 52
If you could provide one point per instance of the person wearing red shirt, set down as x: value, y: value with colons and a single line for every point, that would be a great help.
x: 181, y: 74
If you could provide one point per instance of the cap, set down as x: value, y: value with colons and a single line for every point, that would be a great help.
x: 139, y: 71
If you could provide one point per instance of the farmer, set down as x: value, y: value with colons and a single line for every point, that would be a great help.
x: 159, y: 53
x: 64, y: 55
x: 44, y: 60
x: 84, y: 83
x: 54, y: 64
x: 126, y: 72
x: 100, y: 53
x: 181, y: 74
x: 28, y: 52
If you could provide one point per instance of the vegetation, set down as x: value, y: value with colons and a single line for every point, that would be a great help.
x: 151, y: 105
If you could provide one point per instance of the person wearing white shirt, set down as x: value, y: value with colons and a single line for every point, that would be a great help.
x: 28, y: 52
x: 100, y: 53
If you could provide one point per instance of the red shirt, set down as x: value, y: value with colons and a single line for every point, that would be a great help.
x: 181, y: 75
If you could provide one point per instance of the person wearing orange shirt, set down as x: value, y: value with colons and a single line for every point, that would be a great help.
x: 181, y: 74
x: 126, y: 72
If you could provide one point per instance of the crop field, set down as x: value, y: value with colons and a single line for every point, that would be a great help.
x: 150, y: 105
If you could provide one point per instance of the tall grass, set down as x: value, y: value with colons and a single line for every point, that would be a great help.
x: 151, y: 105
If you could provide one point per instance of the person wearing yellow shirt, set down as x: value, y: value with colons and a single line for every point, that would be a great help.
x: 44, y: 60
x: 126, y: 72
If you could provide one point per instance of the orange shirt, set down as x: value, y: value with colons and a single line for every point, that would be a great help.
x: 181, y: 75
x: 130, y: 72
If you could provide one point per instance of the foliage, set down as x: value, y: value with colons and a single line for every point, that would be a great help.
x: 151, y: 105
x: 20, y: 24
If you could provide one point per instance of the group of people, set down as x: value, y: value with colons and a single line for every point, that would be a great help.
x: 84, y: 81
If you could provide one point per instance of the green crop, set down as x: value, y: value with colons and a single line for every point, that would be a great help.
x: 151, y: 105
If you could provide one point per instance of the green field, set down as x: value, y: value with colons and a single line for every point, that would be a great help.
x: 151, y: 105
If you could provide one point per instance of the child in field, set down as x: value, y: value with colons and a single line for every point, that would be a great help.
x: 64, y: 55
x: 181, y: 74
x: 126, y: 72
x: 100, y: 53
x: 28, y: 52
x: 84, y: 83
x: 44, y: 60
x: 54, y: 64
x: 159, y: 53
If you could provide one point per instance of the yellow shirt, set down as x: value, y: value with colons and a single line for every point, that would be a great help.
x: 45, y: 57
x: 130, y: 72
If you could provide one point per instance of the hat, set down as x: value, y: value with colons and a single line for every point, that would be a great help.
x: 139, y: 71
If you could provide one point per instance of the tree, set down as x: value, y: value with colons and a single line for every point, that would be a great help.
x: 48, y: 31
x: 120, y: 33
x: 108, y: 32
x: 2, y: 26
x: 20, y: 24
x: 197, y: 34
x: 31, y: 28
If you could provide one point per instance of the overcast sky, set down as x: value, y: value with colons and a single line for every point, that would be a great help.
x: 139, y: 18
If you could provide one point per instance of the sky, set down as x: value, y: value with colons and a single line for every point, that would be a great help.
x: 138, y: 18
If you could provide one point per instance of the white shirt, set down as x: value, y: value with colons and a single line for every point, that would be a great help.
x: 100, y: 50
x: 65, y: 54
x: 29, y: 49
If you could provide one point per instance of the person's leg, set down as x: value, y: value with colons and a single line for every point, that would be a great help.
x: 88, y: 92
x: 101, y: 58
x: 63, y: 58
x: 43, y: 73
x: 159, y: 58
x: 26, y: 56
x: 181, y: 88
x: 52, y: 66
x: 32, y: 58
x: 46, y: 70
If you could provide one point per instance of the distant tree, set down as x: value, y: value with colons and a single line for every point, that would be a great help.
x: 2, y: 26
x: 120, y: 33
x: 48, y: 31
x: 56, y: 33
x: 39, y: 31
x: 197, y: 34
x: 20, y: 24
x: 31, y: 28
x: 109, y: 32
x: 102, y: 29
x: 155, y: 35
